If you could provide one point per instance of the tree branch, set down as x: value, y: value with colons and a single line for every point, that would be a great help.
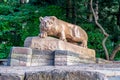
x: 117, y: 48
x: 106, y: 51
x: 96, y: 19
x: 103, y: 31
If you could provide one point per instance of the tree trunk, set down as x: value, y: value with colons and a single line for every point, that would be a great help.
x: 90, y: 15
x: 73, y: 12
x: 117, y: 48
x: 68, y: 9
x: 96, y: 9
x: 102, y: 29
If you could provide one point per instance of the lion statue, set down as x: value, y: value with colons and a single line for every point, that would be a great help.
x: 65, y: 31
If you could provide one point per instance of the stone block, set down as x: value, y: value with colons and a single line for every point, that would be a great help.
x: 64, y: 58
x: 52, y: 44
x: 10, y: 77
x: 20, y: 56
x: 49, y: 51
x: 42, y: 57
x: 103, y: 61
x: 62, y: 74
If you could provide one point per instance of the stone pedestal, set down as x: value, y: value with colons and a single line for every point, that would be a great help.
x: 64, y: 58
x: 50, y: 51
x: 42, y: 58
x: 53, y: 44
x: 20, y: 56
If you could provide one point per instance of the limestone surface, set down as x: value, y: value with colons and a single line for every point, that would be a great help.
x: 49, y: 52
x: 53, y: 44
x: 20, y: 56
x: 81, y: 72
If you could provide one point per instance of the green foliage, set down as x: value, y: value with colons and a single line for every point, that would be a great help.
x: 108, y: 19
x: 94, y: 38
x: 117, y: 57
x: 5, y: 9
x: 20, y: 21
x: 53, y: 10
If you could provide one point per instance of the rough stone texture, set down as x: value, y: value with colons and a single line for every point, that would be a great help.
x: 49, y: 51
x: 53, y: 44
x: 20, y: 56
x: 37, y: 57
x: 63, y: 58
x: 81, y: 72
x: 114, y: 78
x: 10, y: 77
x: 42, y: 57
x: 64, y: 75
x: 102, y: 61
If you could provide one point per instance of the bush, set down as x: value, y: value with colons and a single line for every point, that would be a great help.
x: 94, y: 38
x: 5, y: 9
x: 20, y: 21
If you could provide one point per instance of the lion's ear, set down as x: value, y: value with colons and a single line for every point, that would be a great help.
x: 53, y: 18
x: 40, y: 18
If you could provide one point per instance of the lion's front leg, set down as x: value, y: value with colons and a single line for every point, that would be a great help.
x: 62, y: 36
x: 84, y: 44
x: 43, y: 34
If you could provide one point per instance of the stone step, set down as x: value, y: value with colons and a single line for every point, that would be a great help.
x: 59, y: 73
x: 22, y: 56
x: 114, y: 78
x: 53, y: 44
x: 50, y: 51
x: 63, y: 58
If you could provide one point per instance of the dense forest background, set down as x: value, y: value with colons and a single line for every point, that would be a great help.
x: 20, y: 19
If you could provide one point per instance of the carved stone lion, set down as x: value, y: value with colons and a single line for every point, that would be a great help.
x: 65, y: 31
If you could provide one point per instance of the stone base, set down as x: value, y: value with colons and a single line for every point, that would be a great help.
x: 103, y: 61
x: 50, y: 51
x: 81, y: 72
x: 53, y: 44
x: 64, y: 58
x: 22, y: 56
x: 42, y: 58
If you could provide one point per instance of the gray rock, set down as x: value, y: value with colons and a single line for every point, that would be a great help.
x: 9, y: 77
x: 20, y: 56
x: 114, y: 78
x: 81, y: 72
x: 50, y: 43
x: 64, y: 57
x: 64, y: 75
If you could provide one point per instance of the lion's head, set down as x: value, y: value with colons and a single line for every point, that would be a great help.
x: 47, y: 22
